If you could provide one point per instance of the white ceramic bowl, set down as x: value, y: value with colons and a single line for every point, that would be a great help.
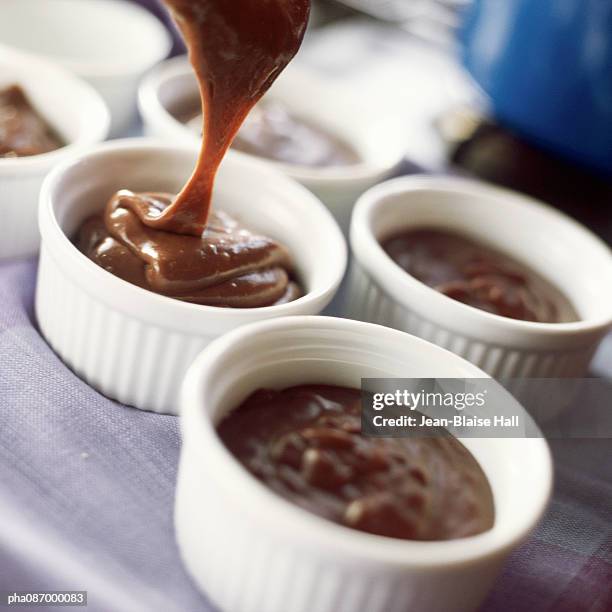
x: 109, y: 43
x: 252, y: 551
x: 377, y: 139
x: 547, y: 241
x: 134, y: 345
x: 74, y: 110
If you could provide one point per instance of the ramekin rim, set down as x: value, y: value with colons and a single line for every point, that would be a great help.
x: 152, y: 109
x: 95, y: 69
x: 331, y: 536
x: 51, y: 231
x: 361, y: 230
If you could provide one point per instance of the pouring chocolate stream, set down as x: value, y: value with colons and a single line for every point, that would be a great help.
x: 237, y: 49
x: 173, y: 245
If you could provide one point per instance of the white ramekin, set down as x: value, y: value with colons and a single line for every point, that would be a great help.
x: 74, y: 110
x: 109, y: 43
x: 378, y: 140
x: 252, y: 551
x: 134, y: 345
x: 547, y: 241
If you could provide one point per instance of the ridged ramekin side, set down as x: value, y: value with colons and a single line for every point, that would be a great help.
x: 131, y: 361
x: 368, y: 302
x: 245, y: 565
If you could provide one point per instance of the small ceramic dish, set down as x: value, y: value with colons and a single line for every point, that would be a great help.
x: 80, y: 118
x: 109, y: 43
x: 135, y: 345
x: 543, y: 239
x: 378, y: 142
x: 251, y: 550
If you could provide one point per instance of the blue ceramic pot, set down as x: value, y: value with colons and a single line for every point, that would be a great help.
x: 547, y: 68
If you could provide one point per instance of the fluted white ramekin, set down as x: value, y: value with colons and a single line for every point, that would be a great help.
x: 74, y: 110
x: 252, y: 551
x: 542, y: 238
x: 109, y: 43
x: 378, y: 140
x: 134, y: 345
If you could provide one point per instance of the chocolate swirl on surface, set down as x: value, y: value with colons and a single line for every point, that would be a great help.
x: 228, y: 266
x: 478, y: 276
x: 305, y: 443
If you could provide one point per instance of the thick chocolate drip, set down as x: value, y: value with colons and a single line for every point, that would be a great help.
x: 23, y: 132
x: 478, y: 276
x: 238, y: 48
x: 229, y: 266
x: 163, y: 243
x: 305, y: 444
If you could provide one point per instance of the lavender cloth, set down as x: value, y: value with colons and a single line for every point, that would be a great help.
x: 87, y: 485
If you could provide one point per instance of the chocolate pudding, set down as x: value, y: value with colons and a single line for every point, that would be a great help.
x: 172, y: 244
x: 273, y: 132
x: 305, y: 444
x: 23, y: 131
x: 478, y: 276
x: 228, y: 266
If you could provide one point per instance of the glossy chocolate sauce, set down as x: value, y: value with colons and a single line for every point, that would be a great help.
x: 237, y: 49
x: 305, y: 444
x: 168, y: 243
x: 231, y: 267
x: 23, y: 131
x: 273, y: 132
x: 479, y: 276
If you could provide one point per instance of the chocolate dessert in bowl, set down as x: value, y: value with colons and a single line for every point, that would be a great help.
x: 304, y: 126
x: 300, y: 511
x: 154, y: 263
x: 46, y: 115
x: 512, y: 285
x: 108, y: 43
